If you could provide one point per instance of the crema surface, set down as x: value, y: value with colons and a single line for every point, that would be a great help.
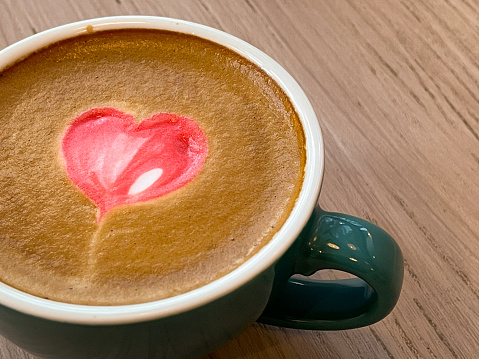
x: 53, y: 244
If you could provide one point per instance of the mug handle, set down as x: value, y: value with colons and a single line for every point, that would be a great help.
x: 346, y: 243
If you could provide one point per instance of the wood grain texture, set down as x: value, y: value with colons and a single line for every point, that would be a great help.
x: 395, y: 87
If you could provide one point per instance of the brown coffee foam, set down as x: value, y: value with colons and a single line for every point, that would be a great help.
x: 53, y: 246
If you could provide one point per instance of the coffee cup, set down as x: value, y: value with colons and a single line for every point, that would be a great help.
x: 265, y: 286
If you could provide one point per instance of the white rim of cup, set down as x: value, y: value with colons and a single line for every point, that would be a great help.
x: 265, y: 258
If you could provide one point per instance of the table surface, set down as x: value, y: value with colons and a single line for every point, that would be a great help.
x: 395, y: 87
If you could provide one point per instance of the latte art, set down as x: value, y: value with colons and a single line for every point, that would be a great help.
x: 115, y: 161
x: 140, y: 164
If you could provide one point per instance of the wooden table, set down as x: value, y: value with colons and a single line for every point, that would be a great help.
x: 395, y: 85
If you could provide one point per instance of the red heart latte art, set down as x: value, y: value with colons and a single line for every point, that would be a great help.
x: 115, y: 161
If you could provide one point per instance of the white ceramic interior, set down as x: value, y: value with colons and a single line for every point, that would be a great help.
x: 266, y: 257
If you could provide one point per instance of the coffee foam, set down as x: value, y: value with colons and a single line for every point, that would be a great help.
x: 53, y: 245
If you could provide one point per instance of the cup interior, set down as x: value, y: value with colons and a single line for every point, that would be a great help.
x: 265, y: 258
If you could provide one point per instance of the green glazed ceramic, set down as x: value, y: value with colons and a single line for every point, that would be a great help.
x: 265, y: 288
x: 346, y: 243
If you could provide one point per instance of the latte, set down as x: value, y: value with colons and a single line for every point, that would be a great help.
x: 140, y: 164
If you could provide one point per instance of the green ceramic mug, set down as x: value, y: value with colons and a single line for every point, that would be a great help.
x: 264, y: 288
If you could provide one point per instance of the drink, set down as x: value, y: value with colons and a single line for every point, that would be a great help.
x: 59, y: 242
